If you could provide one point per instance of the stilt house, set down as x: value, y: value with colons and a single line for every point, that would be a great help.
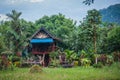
x: 43, y: 43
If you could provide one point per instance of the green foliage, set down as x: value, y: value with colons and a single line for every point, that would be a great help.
x: 17, y: 64
x: 4, y: 63
x: 116, y: 56
x: 35, y: 69
x: 15, y: 29
x: 12, y: 66
x: 25, y: 65
x: 76, y: 63
x: 85, y: 62
x: 114, y: 39
x: 58, y: 25
x: 91, y: 56
x: 8, y: 61
x: 14, y: 34
x: 98, y: 65
x: 102, y: 39
x: 102, y: 58
x: 3, y: 37
x: 91, y: 35
x: 0, y: 63
x: 54, y: 63
x: 83, y: 54
x: 70, y: 55
x: 54, y: 54
x: 93, y: 16
x: 89, y: 27
x: 54, y: 59
x: 110, y: 59
x: 15, y: 58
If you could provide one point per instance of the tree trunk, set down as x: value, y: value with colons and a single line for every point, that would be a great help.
x: 94, y: 39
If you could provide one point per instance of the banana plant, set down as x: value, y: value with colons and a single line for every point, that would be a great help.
x: 70, y: 55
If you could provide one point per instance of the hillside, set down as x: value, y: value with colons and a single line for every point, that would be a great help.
x: 111, y: 14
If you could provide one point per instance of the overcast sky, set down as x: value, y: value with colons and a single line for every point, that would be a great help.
x: 35, y: 9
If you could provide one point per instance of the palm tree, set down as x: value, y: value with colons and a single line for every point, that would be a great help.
x: 15, y: 31
x: 14, y: 16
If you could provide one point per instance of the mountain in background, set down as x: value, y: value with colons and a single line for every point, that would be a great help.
x: 111, y: 14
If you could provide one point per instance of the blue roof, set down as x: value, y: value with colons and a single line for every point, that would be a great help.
x: 45, y: 40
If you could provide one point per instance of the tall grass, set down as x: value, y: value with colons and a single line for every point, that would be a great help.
x: 76, y: 73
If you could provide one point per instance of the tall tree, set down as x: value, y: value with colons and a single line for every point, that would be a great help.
x: 16, y: 31
x: 90, y: 27
x: 94, y: 19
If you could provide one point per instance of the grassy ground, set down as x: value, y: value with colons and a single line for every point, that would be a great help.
x: 76, y: 73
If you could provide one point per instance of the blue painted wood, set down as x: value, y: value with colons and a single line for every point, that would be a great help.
x: 44, y: 40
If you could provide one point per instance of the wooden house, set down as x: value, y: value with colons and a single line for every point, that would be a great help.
x: 43, y: 43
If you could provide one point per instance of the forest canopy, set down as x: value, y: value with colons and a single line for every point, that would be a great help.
x: 92, y: 35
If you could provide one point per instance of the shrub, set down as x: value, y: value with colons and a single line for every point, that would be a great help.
x: 110, y: 59
x: 24, y: 65
x: 35, y: 69
x: 15, y: 58
x: 83, y: 54
x: 11, y: 66
x: 54, y: 63
x: 4, y: 63
x: 116, y: 56
x: 67, y: 66
x: 91, y: 56
x: 17, y: 63
x: 85, y: 62
x: 75, y: 63
x: 0, y: 63
x: 99, y: 65
x: 103, y: 59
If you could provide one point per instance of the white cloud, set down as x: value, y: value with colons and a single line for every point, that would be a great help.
x: 35, y: 1
x: 22, y: 1
x: 12, y: 1
x: 3, y: 17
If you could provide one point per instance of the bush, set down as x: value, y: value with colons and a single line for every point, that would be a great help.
x: 83, y: 54
x: 102, y: 59
x: 4, y: 63
x: 99, y: 65
x: 85, y: 62
x: 75, y: 63
x: 91, y: 56
x: 110, y: 59
x: 15, y: 58
x: 35, y: 69
x: 17, y: 63
x: 0, y: 63
x: 116, y: 56
x: 54, y: 63
x: 24, y: 65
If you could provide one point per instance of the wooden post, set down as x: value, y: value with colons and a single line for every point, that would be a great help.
x: 53, y: 47
x: 43, y: 59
